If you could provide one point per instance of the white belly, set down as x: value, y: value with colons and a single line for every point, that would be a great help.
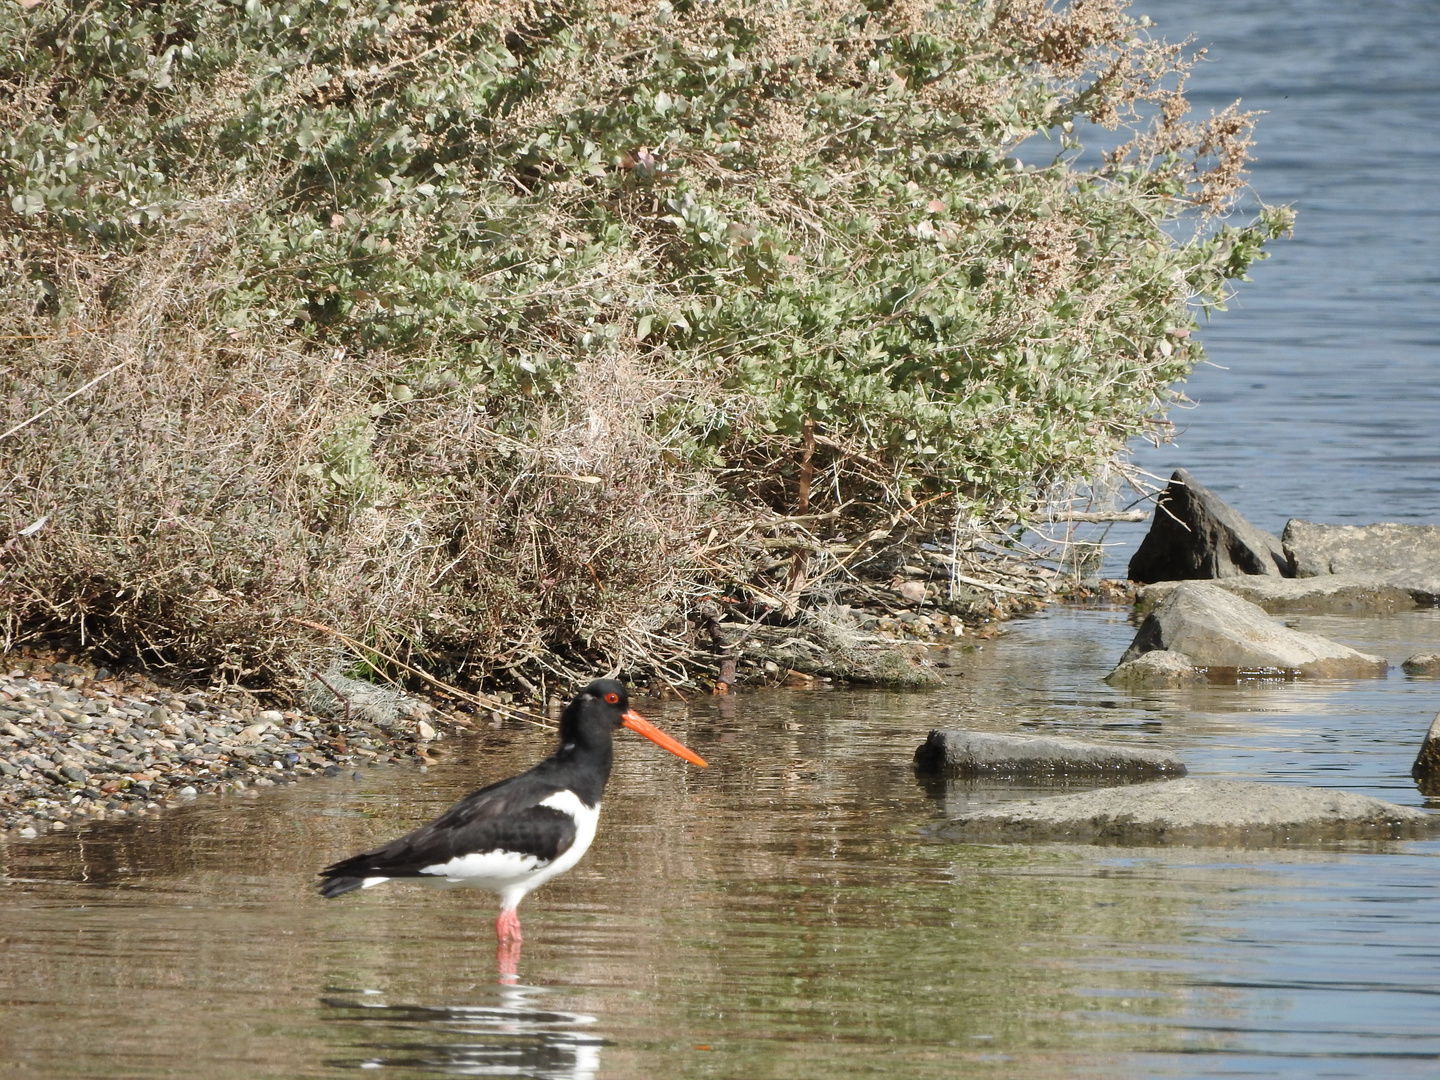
x: 510, y: 874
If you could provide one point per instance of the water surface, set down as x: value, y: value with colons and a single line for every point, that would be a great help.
x: 777, y: 915
x: 1326, y: 395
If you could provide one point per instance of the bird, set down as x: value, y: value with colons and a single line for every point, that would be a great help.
x: 514, y: 835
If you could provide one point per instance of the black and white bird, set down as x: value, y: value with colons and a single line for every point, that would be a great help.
x: 517, y: 834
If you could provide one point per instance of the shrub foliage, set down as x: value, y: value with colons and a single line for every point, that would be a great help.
x: 496, y: 333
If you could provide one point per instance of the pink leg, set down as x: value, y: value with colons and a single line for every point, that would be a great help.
x: 507, y: 927
x: 507, y: 946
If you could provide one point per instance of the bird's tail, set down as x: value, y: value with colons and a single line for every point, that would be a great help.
x: 340, y: 884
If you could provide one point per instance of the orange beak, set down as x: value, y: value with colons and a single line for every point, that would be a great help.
x: 637, y: 723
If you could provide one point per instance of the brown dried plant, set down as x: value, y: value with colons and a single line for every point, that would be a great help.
x: 307, y: 333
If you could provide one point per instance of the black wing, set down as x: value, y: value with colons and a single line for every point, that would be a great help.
x: 506, y: 816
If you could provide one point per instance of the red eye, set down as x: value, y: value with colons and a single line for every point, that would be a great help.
x: 613, y: 698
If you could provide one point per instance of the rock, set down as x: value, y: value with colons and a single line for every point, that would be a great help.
x: 1224, y: 634
x: 424, y: 731
x: 1157, y: 668
x: 1426, y: 770
x: 1407, y: 556
x: 914, y: 591
x: 1193, y: 811
x: 1331, y: 594
x: 955, y: 752
x: 1427, y: 663
x: 1194, y: 534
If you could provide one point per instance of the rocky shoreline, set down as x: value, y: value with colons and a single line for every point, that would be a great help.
x: 79, y: 744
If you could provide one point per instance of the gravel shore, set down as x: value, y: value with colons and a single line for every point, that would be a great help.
x: 79, y: 744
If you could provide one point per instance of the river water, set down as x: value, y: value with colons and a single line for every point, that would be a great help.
x: 1325, y: 403
x: 780, y: 915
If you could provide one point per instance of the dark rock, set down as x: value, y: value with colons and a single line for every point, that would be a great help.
x: 1194, y: 534
x: 955, y: 752
x: 1195, y: 811
x: 1426, y: 770
x: 1407, y: 556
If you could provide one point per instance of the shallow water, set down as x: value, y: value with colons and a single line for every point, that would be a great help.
x: 777, y: 915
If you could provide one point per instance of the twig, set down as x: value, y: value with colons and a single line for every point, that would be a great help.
x: 1097, y: 515
x: 67, y: 397
x: 483, y: 700
x: 338, y: 696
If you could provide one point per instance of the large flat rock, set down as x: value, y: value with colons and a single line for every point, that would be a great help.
x: 1222, y: 633
x: 1195, y: 534
x: 956, y: 752
x: 1194, y: 811
x: 1330, y: 594
x: 1405, y: 556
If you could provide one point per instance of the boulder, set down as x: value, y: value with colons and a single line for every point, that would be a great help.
x: 1193, y: 811
x: 962, y: 753
x: 1425, y: 663
x: 1222, y: 633
x: 1407, y: 556
x: 1332, y: 594
x: 1157, y: 668
x: 1426, y: 770
x: 1194, y: 534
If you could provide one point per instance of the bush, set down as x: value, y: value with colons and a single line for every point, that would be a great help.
x: 488, y: 333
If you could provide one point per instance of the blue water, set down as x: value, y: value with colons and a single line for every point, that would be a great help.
x: 1325, y: 403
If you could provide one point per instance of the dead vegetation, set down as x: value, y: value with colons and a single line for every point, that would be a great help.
x: 514, y: 342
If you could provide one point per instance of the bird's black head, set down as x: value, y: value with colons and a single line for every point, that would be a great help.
x: 594, y: 712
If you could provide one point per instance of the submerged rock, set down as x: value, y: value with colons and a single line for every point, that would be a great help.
x: 1422, y: 664
x: 1157, y: 668
x: 1406, y: 556
x: 1222, y: 633
x: 1195, y: 811
x: 1194, y: 534
x: 955, y: 752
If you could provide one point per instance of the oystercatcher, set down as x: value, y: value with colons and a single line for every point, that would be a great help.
x: 517, y: 834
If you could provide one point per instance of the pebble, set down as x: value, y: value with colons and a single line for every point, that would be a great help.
x: 87, y: 744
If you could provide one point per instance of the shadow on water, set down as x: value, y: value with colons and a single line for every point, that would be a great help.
x: 509, y: 1038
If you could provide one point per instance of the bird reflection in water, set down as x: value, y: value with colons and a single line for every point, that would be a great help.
x: 509, y: 1038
